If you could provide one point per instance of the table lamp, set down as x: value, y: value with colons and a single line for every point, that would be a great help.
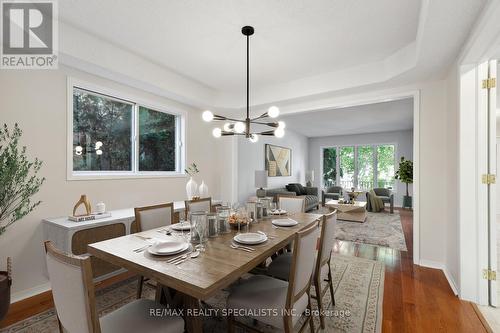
x: 261, y: 182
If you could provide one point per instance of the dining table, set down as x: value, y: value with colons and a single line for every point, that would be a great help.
x: 217, y: 267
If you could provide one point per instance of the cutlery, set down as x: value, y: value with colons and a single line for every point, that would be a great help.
x: 264, y: 234
x: 240, y: 248
x: 193, y: 255
x: 143, y: 237
x: 142, y: 248
x: 243, y: 247
x: 179, y: 257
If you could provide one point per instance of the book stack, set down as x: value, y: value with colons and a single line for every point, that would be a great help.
x: 91, y: 217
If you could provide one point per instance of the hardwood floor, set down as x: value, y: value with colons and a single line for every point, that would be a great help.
x: 416, y: 299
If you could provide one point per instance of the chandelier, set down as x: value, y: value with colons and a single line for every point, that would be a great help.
x: 243, y: 127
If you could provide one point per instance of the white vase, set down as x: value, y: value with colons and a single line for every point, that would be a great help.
x: 203, y: 190
x: 191, y: 188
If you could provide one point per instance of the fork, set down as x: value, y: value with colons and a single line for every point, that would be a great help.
x: 240, y: 248
x: 243, y: 247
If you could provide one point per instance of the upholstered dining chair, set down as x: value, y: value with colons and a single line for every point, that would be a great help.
x: 74, y: 299
x: 151, y: 217
x: 287, y: 299
x: 292, y: 204
x: 280, y: 266
x: 198, y: 205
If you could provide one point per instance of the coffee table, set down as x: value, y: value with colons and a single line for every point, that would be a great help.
x: 355, y: 212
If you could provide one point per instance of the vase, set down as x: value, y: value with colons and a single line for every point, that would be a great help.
x: 203, y: 190
x: 191, y: 188
x: 407, y: 201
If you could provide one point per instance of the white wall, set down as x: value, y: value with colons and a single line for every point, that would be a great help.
x: 452, y: 263
x: 402, y: 139
x: 37, y: 101
x: 251, y: 158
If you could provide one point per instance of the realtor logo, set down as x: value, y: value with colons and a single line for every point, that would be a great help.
x: 28, y: 34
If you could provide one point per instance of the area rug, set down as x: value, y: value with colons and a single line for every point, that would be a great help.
x: 358, y: 284
x: 380, y: 229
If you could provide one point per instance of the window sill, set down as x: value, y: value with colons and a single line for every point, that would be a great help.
x: 110, y: 176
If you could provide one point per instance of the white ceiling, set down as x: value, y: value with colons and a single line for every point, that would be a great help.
x: 371, y: 118
x: 293, y: 38
x: 301, y: 48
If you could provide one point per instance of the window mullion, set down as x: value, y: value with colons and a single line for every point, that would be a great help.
x: 375, y: 166
x: 135, y: 152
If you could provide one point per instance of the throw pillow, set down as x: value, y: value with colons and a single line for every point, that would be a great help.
x: 293, y: 188
x: 302, y: 189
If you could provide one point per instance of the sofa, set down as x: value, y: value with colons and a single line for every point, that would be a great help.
x: 383, y: 193
x: 332, y: 193
x: 310, y: 194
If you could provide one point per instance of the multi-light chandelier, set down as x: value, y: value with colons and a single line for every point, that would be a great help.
x: 243, y: 127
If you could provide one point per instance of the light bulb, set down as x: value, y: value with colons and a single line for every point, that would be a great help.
x: 239, y: 127
x: 207, y: 115
x: 279, y: 132
x: 228, y: 127
x: 253, y: 138
x: 78, y: 149
x: 98, y: 152
x: 273, y: 111
x: 281, y: 124
x: 217, y: 132
x: 98, y: 144
x: 78, y: 153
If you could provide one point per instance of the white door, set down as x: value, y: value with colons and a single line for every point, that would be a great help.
x: 492, y: 166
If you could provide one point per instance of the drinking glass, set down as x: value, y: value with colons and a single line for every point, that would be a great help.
x: 198, y: 229
x: 273, y: 206
x: 223, y: 213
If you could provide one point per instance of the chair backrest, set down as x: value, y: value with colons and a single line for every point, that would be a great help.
x: 292, y: 204
x: 334, y: 189
x: 304, y: 250
x: 326, y: 240
x: 72, y: 290
x: 151, y: 217
x: 384, y: 192
x: 199, y: 205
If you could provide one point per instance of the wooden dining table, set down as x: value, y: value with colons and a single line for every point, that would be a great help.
x: 198, y: 279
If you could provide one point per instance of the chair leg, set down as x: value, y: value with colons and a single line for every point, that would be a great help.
x: 330, y: 283
x: 140, y: 281
x: 288, y: 324
x: 311, y: 320
x: 230, y: 324
x: 319, y: 299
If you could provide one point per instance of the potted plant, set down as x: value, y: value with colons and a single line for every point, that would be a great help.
x: 405, y: 175
x: 19, y: 181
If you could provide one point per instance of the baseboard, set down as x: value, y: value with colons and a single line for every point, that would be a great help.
x: 23, y: 294
x: 442, y: 267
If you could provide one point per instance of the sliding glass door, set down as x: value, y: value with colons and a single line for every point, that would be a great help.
x: 362, y: 167
x: 365, y: 168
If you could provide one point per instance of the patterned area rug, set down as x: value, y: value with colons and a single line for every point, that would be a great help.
x: 381, y: 229
x: 358, y: 284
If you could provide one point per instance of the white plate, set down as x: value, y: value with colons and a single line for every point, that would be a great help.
x: 250, y: 238
x: 167, y: 248
x: 278, y: 212
x: 285, y: 222
x: 182, y: 226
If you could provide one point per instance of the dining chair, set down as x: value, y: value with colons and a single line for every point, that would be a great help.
x: 286, y: 300
x: 198, y: 205
x: 74, y: 299
x: 280, y: 266
x: 151, y: 217
x: 292, y: 204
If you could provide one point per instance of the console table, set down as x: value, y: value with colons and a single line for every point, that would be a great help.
x: 73, y: 237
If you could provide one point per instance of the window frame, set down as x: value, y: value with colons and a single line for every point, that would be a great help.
x: 356, y: 146
x: 181, y: 124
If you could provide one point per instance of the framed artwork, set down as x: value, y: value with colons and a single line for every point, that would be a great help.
x: 278, y: 161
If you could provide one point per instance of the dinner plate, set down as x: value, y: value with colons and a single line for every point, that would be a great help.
x: 250, y: 238
x: 182, y: 226
x: 284, y: 222
x: 167, y: 248
x: 278, y: 212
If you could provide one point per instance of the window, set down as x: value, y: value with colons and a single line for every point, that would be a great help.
x: 362, y: 167
x: 347, y: 167
x: 385, y: 166
x: 117, y: 137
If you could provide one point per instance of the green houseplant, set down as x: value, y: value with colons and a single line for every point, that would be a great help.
x: 19, y: 181
x: 405, y: 175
